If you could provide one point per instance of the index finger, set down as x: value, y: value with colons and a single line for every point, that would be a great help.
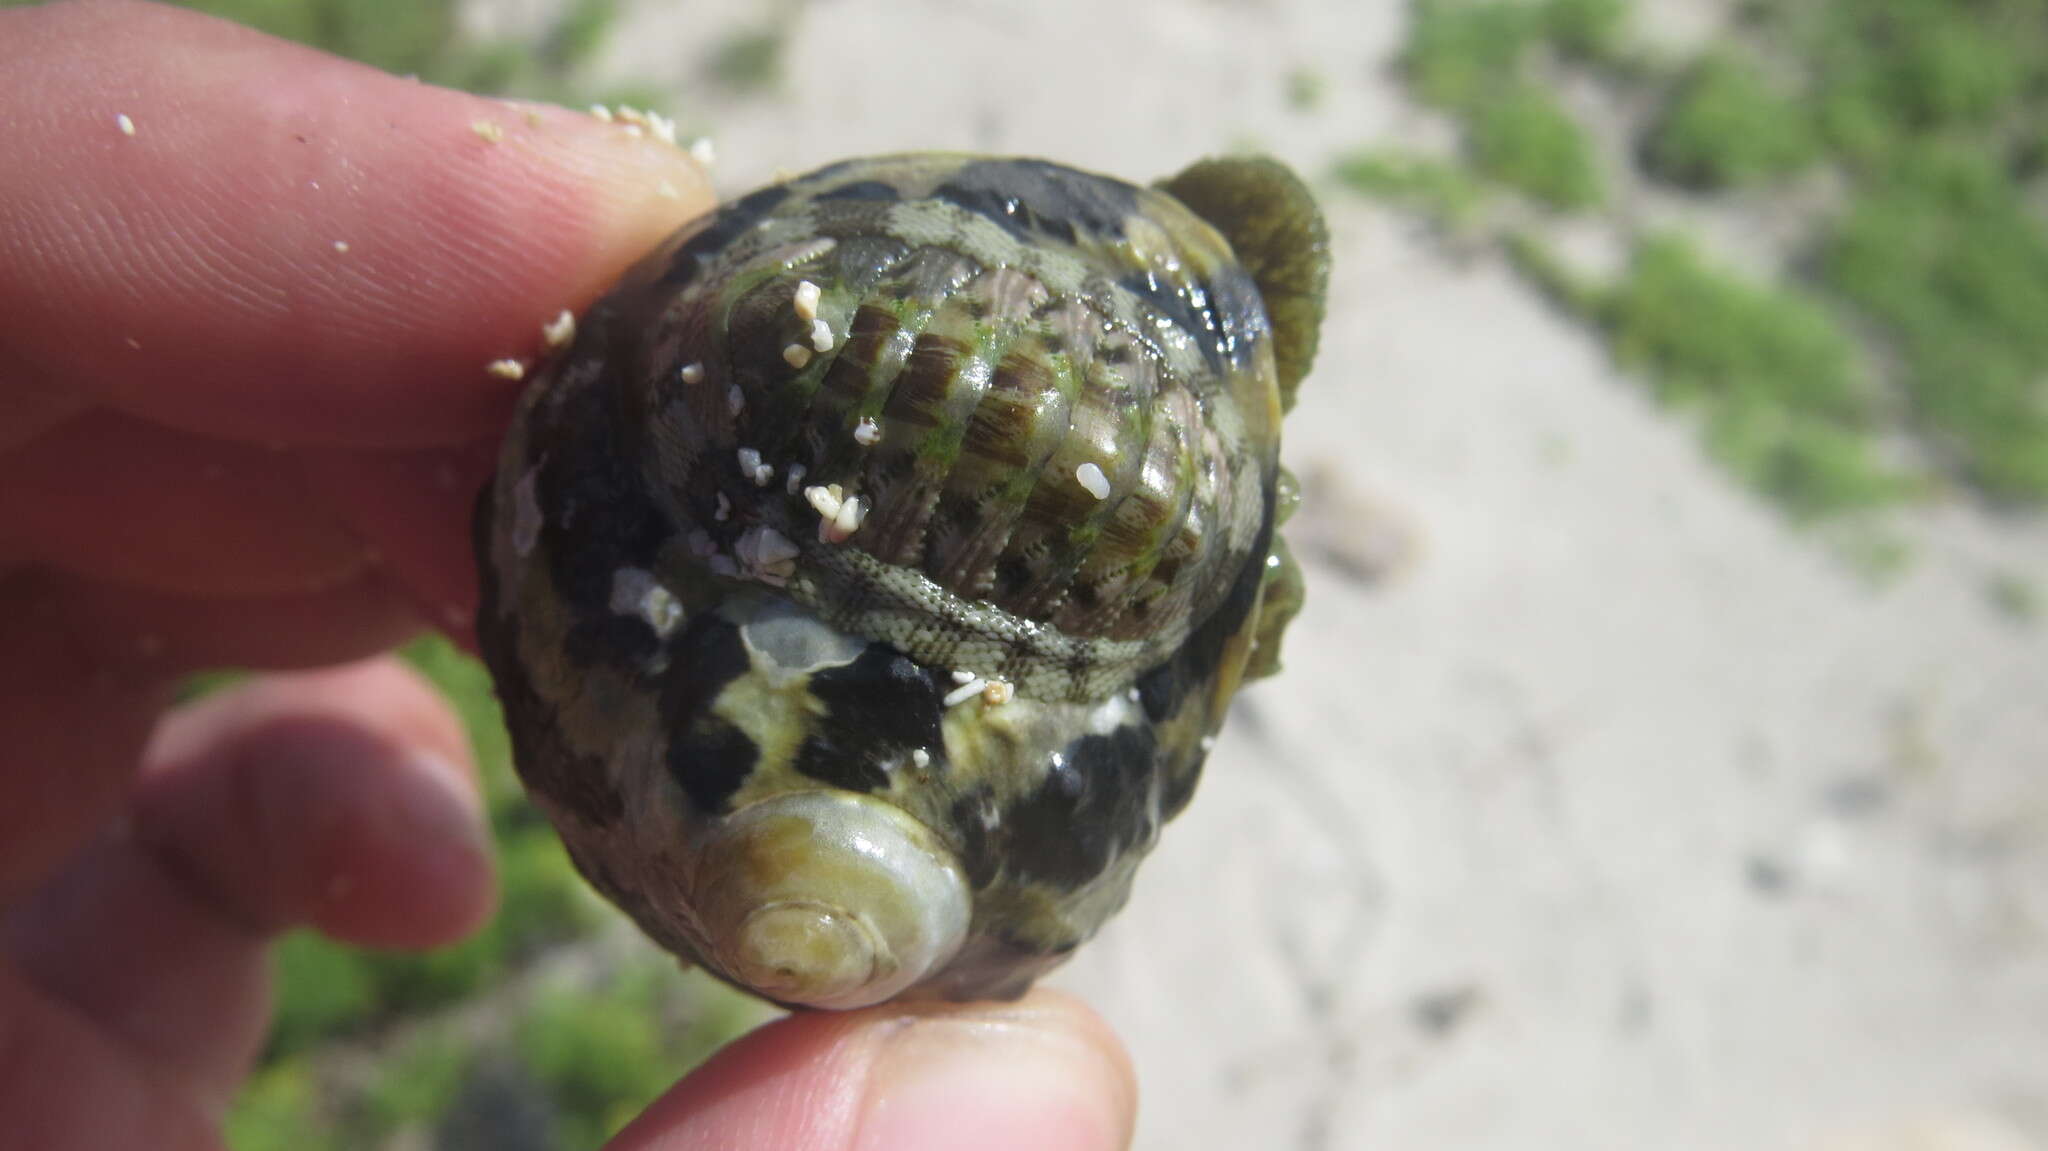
x: 235, y: 236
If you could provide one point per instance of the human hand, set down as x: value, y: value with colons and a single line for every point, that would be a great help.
x: 243, y: 414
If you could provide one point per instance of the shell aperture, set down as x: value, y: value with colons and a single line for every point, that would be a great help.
x: 865, y: 584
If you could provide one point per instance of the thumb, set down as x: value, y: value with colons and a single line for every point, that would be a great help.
x: 1043, y: 1073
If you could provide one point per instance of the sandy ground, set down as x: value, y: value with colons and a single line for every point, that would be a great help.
x: 1619, y: 815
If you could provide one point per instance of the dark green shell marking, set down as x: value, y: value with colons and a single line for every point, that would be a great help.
x: 867, y: 582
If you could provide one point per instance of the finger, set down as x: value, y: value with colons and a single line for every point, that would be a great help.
x: 130, y: 632
x: 341, y: 799
x: 85, y: 668
x: 190, y: 272
x: 1042, y: 1072
x: 66, y: 1087
x: 415, y: 509
x: 31, y: 411
x: 117, y: 498
x: 148, y: 963
x: 344, y: 799
x: 74, y: 729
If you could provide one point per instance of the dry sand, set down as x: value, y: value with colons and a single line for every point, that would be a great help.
x: 1618, y: 815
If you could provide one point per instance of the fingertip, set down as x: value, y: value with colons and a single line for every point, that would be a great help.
x: 341, y: 799
x: 1042, y: 1072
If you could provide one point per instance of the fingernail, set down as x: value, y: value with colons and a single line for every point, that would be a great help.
x: 443, y: 806
x: 994, y: 1080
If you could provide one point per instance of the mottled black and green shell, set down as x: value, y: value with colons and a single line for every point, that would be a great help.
x: 865, y: 584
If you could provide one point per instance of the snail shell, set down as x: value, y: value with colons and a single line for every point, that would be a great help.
x: 865, y: 583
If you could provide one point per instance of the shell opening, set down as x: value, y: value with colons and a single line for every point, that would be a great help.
x: 829, y: 899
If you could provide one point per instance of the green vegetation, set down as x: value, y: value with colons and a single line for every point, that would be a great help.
x: 1476, y: 60
x: 1307, y: 89
x: 2015, y: 596
x: 1593, y: 31
x: 602, y: 1054
x: 1526, y: 140
x: 1933, y: 114
x: 1950, y: 260
x: 280, y: 1109
x: 1729, y: 124
x: 750, y: 63
x: 423, y: 38
x: 1706, y: 335
x: 1444, y: 191
x: 1766, y: 371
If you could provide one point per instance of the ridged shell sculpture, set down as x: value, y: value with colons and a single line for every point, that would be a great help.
x: 867, y: 582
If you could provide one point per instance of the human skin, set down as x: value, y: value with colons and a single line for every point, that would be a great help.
x: 243, y: 413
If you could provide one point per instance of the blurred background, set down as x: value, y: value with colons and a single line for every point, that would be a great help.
x: 1662, y: 759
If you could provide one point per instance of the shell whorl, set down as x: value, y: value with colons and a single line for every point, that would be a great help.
x: 1062, y: 469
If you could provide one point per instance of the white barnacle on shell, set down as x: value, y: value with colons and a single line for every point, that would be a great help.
x: 751, y: 467
x: 796, y: 356
x: 636, y: 591
x: 825, y: 499
x: 821, y: 336
x: 1090, y: 476
x: 559, y: 332
x: 972, y: 686
x: 867, y: 433
x: 848, y: 521
x: 766, y: 555
x: 806, y: 300
x: 839, y: 515
x: 692, y: 373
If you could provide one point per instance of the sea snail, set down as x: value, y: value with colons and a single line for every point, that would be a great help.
x: 865, y: 585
